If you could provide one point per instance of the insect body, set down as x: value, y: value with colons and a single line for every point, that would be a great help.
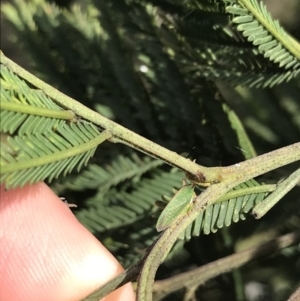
x: 177, y: 206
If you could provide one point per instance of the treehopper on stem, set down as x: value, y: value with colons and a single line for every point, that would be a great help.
x: 178, y: 205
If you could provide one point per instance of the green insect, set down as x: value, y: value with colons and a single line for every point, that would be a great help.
x: 179, y: 204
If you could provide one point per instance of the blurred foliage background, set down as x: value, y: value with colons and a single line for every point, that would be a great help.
x: 121, y: 59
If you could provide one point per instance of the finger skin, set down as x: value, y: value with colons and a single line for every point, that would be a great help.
x: 46, y: 254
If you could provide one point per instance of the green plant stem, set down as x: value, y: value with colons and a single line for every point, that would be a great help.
x: 128, y: 275
x: 261, y: 165
x: 120, y: 134
x: 248, y: 190
x: 46, y: 159
x: 133, y: 271
x: 192, y: 279
x: 222, y: 178
x: 200, y: 275
x: 282, y: 189
x: 38, y: 111
x: 236, y: 174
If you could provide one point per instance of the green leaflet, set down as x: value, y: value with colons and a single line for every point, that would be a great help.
x: 232, y: 207
x: 177, y: 206
x: 39, y: 139
x: 268, y: 37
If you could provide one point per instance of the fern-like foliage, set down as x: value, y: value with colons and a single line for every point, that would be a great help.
x: 160, y: 68
x: 232, y: 207
x: 112, y: 212
x: 225, y: 212
x: 257, y: 25
x: 119, y: 208
x: 18, y: 101
x: 40, y: 140
x: 263, y: 55
x: 131, y: 245
x: 121, y: 169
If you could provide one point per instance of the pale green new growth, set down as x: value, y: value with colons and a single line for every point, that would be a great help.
x: 177, y: 206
